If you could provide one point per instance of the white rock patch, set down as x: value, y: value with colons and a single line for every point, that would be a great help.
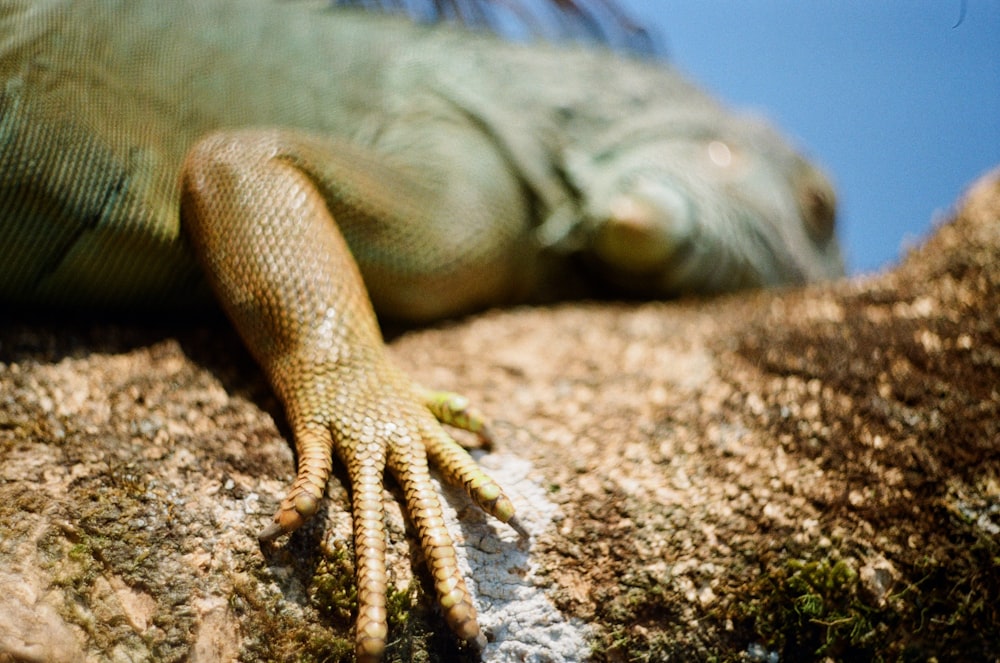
x: 519, y: 620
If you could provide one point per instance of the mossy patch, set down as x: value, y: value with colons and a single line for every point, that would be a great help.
x: 943, y: 605
x: 808, y: 608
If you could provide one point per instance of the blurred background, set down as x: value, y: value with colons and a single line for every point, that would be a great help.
x: 899, y: 100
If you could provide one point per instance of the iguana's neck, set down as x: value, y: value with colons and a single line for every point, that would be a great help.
x: 552, y: 106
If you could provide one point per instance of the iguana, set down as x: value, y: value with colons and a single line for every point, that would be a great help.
x: 600, y: 20
x: 311, y: 163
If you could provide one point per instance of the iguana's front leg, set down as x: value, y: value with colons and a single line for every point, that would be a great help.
x: 284, y: 274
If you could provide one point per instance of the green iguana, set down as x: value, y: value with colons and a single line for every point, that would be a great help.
x: 311, y: 162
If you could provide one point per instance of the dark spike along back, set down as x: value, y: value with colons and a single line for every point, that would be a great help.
x: 602, y: 21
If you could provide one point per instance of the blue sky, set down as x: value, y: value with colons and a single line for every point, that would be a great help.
x: 897, y: 102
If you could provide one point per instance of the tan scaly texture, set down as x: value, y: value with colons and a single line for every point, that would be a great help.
x: 295, y: 294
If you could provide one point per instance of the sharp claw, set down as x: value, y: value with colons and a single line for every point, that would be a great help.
x: 477, y: 644
x: 485, y: 435
x: 518, y: 527
x: 270, y: 533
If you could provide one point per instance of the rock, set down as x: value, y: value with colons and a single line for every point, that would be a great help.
x: 781, y: 475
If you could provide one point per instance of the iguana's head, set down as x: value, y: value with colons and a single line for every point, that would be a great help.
x: 717, y: 203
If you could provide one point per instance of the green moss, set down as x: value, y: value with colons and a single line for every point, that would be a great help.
x: 333, y: 592
x: 334, y: 595
x: 72, y: 568
x: 811, y: 607
x: 272, y: 633
x: 322, y: 630
x: 942, y: 606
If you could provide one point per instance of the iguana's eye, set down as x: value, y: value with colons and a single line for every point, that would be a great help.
x: 720, y: 154
x: 817, y: 203
x: 725, y: 161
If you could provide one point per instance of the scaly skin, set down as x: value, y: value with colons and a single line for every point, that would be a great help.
x: 295, y: 294
x: 430, y: 172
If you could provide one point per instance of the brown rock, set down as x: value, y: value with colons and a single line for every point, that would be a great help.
x: 813, y: 473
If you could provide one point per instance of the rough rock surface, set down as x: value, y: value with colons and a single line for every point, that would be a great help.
x: 777, y: 476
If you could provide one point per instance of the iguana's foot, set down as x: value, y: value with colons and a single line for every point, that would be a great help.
x: 400, y: 428
x: 284, y: 274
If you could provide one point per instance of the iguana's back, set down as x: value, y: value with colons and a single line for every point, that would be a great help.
x: 101, y: 101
